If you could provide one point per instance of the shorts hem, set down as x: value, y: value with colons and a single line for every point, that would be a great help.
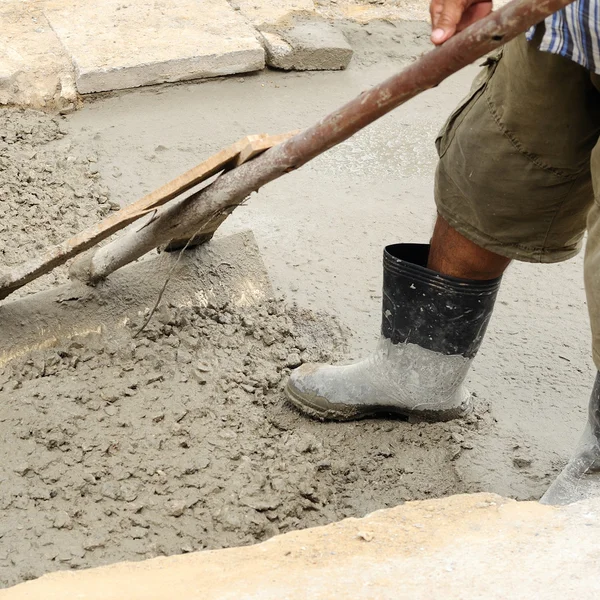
x: 509, y: 250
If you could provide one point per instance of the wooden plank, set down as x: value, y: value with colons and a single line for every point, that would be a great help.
x: 59, y: 254
x: 253, y: 148
x: 256, y: 146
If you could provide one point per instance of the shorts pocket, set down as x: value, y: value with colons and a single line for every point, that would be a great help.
x: 446, y: 134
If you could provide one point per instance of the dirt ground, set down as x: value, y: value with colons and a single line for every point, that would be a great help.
x: 181, y: 439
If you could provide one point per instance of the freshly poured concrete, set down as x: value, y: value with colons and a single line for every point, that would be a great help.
x: 462, y: 547
x: 321, y: 231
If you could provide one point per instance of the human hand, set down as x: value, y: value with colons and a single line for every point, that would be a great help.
x: 451, y: 16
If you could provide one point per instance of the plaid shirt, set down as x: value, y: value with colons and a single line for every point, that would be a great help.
x: 574, y: 32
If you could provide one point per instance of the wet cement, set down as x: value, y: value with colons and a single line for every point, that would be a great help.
x: 44, y: 196
x: 179, y: 440
x: 322, y: 230
x: 123, y: 453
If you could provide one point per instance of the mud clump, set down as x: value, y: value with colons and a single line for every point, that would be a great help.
x: 48, y: 194
x: 180, y: 439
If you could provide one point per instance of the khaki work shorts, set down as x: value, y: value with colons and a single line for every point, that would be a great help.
x: 519, y: 168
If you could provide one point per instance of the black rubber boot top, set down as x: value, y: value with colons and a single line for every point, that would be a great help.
x: 441, y: 313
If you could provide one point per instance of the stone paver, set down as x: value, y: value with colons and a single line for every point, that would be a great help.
x: 34, y: 68
x: 471, y: 546
x: 115, y: 44
x: 11, y: 66
x: 309, y: 46
x: 51, y: 50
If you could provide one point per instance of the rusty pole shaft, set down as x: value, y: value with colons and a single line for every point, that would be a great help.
x: 186, y: 217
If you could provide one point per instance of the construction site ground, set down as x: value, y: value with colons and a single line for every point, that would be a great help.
x: 181, y: 440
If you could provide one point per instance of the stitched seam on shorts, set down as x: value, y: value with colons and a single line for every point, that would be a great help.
x: 536, y: 250
x: 518, y: 146
x: 462, y: 111
x: 535, y: 253
x: 558, y: 209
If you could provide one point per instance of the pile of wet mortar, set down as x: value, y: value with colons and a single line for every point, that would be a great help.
x: 46, y: 195
x: 179, y: 439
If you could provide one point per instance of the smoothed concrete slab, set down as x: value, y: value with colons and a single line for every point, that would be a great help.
x: 116, y: 45
x: 470, y: 546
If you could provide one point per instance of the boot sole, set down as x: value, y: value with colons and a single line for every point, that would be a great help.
x: 324, y: 410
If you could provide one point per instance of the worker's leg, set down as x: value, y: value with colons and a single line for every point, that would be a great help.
x: 512, y: 182
x: 580, y: 479
x: 451, y: 253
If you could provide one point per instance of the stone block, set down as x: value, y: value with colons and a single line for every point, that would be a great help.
x: 116, y: 45
x: 34, y: 69
x: 309, y: 46
x: 11, y: 66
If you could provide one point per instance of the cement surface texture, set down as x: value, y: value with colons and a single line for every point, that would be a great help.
x: 265, y: 12
x: 476, y: 547
x: 46, y: 196
x: 181, y: 439
x: 322, y: 231
x: 363, y: 11
x: 115, y: 45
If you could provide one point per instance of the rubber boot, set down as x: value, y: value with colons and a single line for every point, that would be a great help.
x: 432, y: 327
x: 580, y: 479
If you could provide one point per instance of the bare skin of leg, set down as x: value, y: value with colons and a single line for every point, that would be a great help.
x: 453, y: 254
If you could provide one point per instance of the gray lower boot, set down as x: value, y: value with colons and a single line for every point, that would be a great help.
x: 580, y: 479
x: 432, y: 327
